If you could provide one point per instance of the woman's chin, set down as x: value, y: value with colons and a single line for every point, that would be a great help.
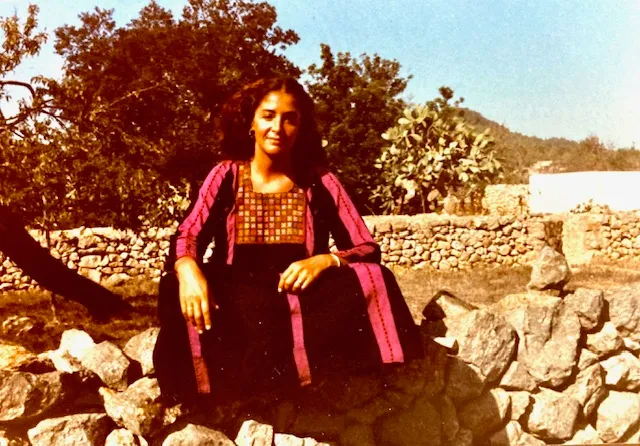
x: 276, y: 151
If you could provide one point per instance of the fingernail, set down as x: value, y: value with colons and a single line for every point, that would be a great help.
x: 279, y: 290
x: 208, y: 327
x: 217, y: 307
x: 200, y: 332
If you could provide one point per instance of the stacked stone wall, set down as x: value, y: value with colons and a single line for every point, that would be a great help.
x: 531, y: 369
x: 506, y: 199
x: 113, y: 257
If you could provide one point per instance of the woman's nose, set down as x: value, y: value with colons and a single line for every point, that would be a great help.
x: 276, y: 123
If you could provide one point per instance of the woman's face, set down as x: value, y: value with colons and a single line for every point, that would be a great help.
x: 276, y: 123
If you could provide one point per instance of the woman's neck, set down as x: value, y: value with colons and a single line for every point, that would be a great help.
x: 267, y: 167
x: 270, y: 176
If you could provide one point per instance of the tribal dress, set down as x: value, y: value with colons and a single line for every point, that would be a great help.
x: 351, y: 318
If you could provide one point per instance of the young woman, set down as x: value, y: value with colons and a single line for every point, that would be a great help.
x: 274, y: 308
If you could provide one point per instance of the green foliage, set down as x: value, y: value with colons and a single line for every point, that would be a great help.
x: 131, y: 120
x: 433, y: 153
x: 356, y: 100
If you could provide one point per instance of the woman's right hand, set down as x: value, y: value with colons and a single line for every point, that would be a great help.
x: 194, y: 294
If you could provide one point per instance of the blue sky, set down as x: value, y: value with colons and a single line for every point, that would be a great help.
x: 565, y: 68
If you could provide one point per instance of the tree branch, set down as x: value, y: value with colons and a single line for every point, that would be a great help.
x: 135, y: 93
x: 19, y: 84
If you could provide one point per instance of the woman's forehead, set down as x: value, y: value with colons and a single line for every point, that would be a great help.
x: 278, y: 100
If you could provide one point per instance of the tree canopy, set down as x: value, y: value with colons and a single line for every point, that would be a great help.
x: 129, y: 128
x: 357, y: 99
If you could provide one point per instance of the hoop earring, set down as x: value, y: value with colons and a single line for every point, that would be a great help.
x: 252, y: 134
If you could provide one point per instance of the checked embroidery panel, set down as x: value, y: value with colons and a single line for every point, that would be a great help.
x: 268, y: 218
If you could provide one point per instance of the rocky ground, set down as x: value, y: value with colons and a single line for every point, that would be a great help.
x: 553, y: 363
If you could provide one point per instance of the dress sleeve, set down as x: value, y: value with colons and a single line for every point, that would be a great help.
x: 188, y: 232
x: 352, y: 237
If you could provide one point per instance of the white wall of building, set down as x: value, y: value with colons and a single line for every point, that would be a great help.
x: 561, y: 192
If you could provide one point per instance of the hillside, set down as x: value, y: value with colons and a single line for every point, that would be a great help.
x: 519, y: 153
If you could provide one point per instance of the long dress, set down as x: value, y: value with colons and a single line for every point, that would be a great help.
x: 351, y: 319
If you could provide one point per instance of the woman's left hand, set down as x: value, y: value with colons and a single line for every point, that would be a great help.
x: 299, y: 275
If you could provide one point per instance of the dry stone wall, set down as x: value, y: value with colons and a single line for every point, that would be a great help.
x: 506, y: 199
x: 531, y: 369
x: 113, y: 257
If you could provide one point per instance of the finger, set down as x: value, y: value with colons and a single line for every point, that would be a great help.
x: 183, y: 307
x: 197, y: 317
x: 206, y: 314
x: 306, y: 283
x: 286, y: 277
x: 290, y: 281
x: 300, y: 279
x: 189, y: 315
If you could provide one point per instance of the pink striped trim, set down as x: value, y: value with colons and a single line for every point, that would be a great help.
x: 346, y: 210
x: 299, y: 350
x: 199, y: 365
x: 231, y: 221
x: 308, y: 229
x: 192, y: 225
x: 379, y: 309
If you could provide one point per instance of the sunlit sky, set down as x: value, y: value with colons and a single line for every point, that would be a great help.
x: 565, y: 68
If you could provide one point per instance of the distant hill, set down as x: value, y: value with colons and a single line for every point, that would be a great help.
x: 521, y: 154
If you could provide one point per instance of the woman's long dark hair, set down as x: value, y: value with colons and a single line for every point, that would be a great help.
x: 238, y: 113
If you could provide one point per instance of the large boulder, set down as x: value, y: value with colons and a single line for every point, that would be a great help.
x: 588, y: 389
x: 140, y: 349
x: 79, y: 430
x: 588, y: 305
x: 444, y: 304
x: 123, y: 437
x: 617, y: 414
x: 512, y: 434
x: 485, y: 340
x: 605, y: 342
x: 138, y: 408
x: 15, y: 357
x: 487, y: 413
x: 24, y: 395
x: 550, y: 270
x: 549, y: 336
x: 193, y: 434
x: 517, y: 378
x: 586, y: 435
x: 76, y: 342
x: 553, y: 416
x: 622, y: 371
x: 252, y: 433
x: 520, y: 403
x: 108, y: 362
x: 586, y: 359
x: 624, y: 312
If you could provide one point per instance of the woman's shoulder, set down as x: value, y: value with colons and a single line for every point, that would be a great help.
x: 223, y: 167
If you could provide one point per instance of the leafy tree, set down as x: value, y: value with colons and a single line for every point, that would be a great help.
x: 356, y: 100
x: 30, y: 185
x: 130, y: 123
x: 433, y: 153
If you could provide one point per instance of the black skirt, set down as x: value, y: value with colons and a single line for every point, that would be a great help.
x: 264, y: 340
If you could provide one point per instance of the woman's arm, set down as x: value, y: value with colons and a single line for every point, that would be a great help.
x: 191, y: 227
x: 195, y: 298
x: 352, y: 237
